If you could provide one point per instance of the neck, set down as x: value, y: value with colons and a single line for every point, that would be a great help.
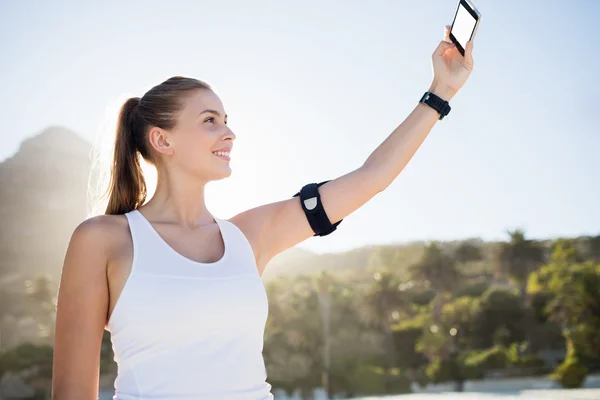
x: 179, y: 199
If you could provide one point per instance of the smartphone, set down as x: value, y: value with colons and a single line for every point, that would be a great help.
x: 464, y: 26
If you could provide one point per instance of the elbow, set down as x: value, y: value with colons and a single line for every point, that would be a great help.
x: 375, y: 177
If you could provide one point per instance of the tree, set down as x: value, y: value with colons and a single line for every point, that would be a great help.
x: 498, y: 317
x: 388, y: 301
x: 467, y: 252
x: 574, y: 288
x: 593, y: 248
x: 518, y: 258
x: 438, y: 270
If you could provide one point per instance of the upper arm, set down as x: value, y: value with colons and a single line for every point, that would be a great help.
x: 283, y: 224
x: 82, y: 305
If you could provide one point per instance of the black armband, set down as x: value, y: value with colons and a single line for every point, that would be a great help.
x: 310, y: 200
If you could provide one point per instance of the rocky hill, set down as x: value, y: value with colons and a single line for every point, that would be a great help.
x: 42, y: 199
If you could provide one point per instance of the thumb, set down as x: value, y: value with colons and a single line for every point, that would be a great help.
x: 442, y: 47
x: 469, y: 53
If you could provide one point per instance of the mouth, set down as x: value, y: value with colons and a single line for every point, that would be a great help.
x: 222, y: 155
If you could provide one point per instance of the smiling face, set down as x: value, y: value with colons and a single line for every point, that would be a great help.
x: 199, y: 133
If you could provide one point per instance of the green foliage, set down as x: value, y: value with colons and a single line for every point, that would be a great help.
x: 40, y: 394
x: 421, y: 377
x: 450, y: 369
x: 518, y: 356
x: 406, y: 336
x: 571, y: 288
x: 28, y: 355
x: 422, y: 296
x: 471, y: 372
x: 437, y: 268
x: 499, y: 315
x: 472, y: 289
x: 397, y: 381
x: 461, y: 314
x: 439, y: 370
x: 494, y: 358
x: 519, y: 257
x: 571, y: 373
x: 374, y: 380
x: 468, y: 252
x: 592, y: 248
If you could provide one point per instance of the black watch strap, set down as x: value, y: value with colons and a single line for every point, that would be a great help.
x: 437, y: 103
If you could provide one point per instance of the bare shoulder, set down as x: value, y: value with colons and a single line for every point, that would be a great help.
x: 104, y: 232
x: 102, y: 225
x: 252, y: 224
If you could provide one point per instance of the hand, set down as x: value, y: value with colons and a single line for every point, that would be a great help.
x: 450, y: 68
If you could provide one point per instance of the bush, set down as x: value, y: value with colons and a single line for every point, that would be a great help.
x: 494, y: 358
x: 442, y: 370
x: 28, y: 355
x: 571, y: 373
x: 40, y: 394
x: 439, y: 371
x: 367, y: 379
x: 472, y: 289
x: 398, y: 382
x: 372, y: 380
x: 406, y: 336
x: 472, y: 372
x: 529, y: 361
x: 421, y: 378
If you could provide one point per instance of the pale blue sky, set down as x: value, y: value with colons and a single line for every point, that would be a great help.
x: 312, y: 87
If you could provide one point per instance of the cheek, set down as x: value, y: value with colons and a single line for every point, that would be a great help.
x: 195, y: 148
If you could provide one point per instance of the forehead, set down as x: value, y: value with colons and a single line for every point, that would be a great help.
x: 201, y: 100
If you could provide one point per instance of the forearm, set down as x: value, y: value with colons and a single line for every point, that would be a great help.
x: 387, y: 161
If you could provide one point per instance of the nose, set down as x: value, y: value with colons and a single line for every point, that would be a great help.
x: 229, y: 134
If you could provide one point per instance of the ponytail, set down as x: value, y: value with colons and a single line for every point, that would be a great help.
x: 127, y: 187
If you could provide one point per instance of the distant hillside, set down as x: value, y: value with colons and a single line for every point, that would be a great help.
x: 359, y: 260
x: 42, y: 198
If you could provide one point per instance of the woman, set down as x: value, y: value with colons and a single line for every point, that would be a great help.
x: 179, y: 289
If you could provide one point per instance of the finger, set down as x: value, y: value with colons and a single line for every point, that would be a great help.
x: 447, y: 33
x: 442, y: 47
x: 469, y: 52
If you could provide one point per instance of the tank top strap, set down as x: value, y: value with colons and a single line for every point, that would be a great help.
x: 140, y: 237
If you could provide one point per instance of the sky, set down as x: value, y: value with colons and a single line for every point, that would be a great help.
x: 313, y: 87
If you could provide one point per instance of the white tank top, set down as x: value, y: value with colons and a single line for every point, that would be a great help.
x: 184, y: 330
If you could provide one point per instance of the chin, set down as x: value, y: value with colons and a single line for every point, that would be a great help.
x: 225, y: 173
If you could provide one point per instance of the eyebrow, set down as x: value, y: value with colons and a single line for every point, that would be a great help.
x: 212, y: 112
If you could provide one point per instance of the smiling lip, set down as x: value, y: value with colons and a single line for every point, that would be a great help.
x: 223, y: 157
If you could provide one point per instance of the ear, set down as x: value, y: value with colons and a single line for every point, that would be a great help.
x: 160, y: 140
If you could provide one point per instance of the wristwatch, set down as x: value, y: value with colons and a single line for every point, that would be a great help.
x: 437, y: 103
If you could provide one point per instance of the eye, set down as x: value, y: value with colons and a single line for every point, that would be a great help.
x: 211, y: 119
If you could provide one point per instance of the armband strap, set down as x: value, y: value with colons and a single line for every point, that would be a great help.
x: 310, y: 200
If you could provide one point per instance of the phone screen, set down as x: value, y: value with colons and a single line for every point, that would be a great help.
x: 463, y: 26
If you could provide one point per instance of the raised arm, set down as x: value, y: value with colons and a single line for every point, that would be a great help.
x: 283, y: 224
x: 81, y: 315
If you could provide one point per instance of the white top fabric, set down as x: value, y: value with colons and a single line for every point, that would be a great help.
x: 184, y: 330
